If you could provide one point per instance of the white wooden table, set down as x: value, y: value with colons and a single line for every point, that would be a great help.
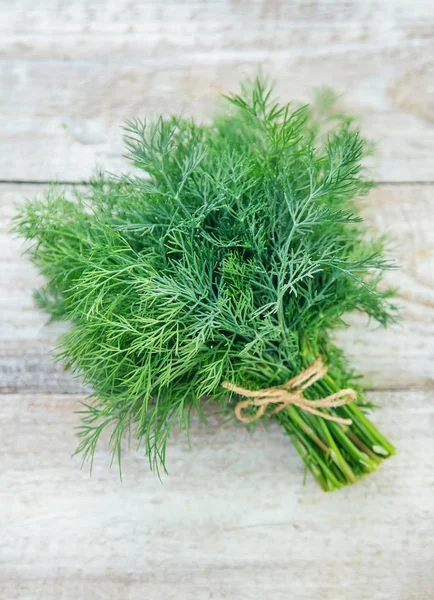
x: 233, y: 520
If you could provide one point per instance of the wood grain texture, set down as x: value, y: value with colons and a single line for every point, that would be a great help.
x: 232, y: 520
x: 394, y: 358
x: 71, y: 73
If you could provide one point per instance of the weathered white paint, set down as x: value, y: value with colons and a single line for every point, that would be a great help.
x: 232, y: 520
x: 72, y: 73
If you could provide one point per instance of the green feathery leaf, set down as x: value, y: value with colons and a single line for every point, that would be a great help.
x: 230, y: 258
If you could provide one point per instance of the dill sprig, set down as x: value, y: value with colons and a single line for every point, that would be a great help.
x: 230, y: 256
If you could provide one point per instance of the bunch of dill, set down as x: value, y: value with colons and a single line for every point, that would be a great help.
x: 231, y: 258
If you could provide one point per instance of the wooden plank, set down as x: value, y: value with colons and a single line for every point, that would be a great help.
x: 402, y: 355
x: 398, y: 357
x: 232, y: 520
x: 72, y: 73
x: 211, y: 17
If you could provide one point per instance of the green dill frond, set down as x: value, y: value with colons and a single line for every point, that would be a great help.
x: 232, y: 257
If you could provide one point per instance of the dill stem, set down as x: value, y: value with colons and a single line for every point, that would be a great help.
x: 378, y: 437
x: 351, y: 448
x: 336, y: 455
x: 314, y: 459
x: 363, y: 447
x: 313, y: 468
x: 296, y: 418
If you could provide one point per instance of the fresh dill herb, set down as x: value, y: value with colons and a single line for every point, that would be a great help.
x: 231, y: 257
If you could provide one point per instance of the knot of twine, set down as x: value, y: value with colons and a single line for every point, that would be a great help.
x: 291, y: 392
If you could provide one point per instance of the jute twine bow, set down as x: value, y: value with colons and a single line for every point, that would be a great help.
x: 291, y: 392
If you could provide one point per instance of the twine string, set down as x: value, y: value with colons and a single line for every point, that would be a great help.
x: 291, y: 393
